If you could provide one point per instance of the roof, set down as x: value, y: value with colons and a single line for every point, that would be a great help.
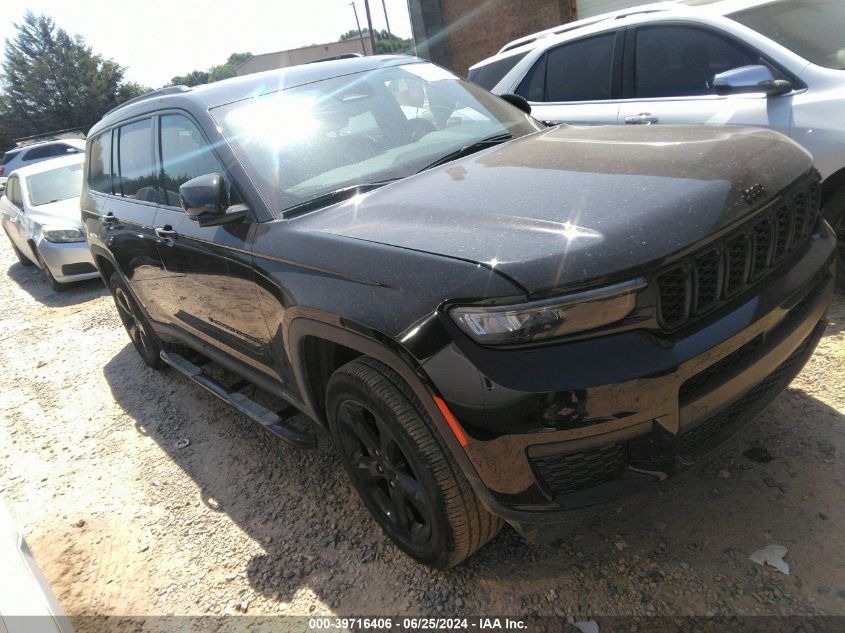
x: 50, y: 164
x: 237, y: 88
x: 621, y: 17
x: 76, y: 142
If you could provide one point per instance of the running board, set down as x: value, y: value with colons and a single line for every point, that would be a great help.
x: 241, y: 403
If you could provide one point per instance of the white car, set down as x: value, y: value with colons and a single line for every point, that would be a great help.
x: 773, y: 63
x: 40, y: 214
x: 26, y: 155
x: 27, y: 605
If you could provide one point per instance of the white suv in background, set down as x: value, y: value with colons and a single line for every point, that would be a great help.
x: 35, y: 153
x: 773, y: 63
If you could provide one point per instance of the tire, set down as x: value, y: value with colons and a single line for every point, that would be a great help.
x: 834, y: 213
x: 55, y: 285
x: 143, y: 337
x: 401, y: 467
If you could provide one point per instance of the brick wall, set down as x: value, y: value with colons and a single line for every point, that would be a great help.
x: 475, y: 29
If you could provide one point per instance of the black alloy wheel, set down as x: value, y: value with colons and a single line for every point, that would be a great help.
x: 402, y: 468
x: 383, y: 471
x: 145, y: 340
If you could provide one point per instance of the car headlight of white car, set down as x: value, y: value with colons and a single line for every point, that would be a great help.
x: 62, y: 234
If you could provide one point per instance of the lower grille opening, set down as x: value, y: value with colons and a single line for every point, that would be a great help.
x: 78, y: 269
x: 563, y: 474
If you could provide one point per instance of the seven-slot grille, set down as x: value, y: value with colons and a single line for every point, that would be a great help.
x: 707, y: 278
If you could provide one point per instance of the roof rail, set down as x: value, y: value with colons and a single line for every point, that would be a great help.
x: 169, y: 90
x: 334, y: 57
x: 577, y: 24
x: 48, y: 136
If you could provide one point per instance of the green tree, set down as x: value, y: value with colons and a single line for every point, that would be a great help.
x: 215, y: 73
x: 51, y: 80
x: 386, y: 42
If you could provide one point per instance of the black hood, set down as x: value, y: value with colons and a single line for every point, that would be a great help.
x: 571, y: 205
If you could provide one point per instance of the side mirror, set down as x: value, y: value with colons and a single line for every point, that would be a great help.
x: 206, y: 200
x: 517, y: 101
x: 204, y: 195
x: 750, y: 79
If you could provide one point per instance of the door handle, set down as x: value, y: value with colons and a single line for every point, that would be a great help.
x: 643, y: 118
x: 166, y: 232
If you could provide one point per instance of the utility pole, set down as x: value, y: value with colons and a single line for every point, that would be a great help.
x: 370, y: 26
x: 386, y: 21
x: 360, y: 33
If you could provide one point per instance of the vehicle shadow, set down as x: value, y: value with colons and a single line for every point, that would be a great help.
x: 31, y: 279
x: 316, y: 536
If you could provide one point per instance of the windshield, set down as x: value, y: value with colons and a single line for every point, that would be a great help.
x: 811, y: 28
x: 54, y: 185
x: 369, y: 127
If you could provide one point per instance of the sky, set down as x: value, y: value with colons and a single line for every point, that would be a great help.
x: 157, y: 40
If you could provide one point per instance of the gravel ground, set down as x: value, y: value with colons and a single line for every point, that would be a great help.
x: 124, y: 519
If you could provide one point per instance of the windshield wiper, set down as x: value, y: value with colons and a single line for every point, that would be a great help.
x: 470, y: 149
x: 333, y: 197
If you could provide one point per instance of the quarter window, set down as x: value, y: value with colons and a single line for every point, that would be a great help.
x: 679, y: 61
x: 99, y: 164
x: 580, y: 71
x: 184, y: 155
x: 13, y: 191
x: 137, y: 162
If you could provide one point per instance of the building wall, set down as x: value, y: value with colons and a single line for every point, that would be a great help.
x: 470, y: 30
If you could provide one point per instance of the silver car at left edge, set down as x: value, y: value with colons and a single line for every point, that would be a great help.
x: 40, y: 215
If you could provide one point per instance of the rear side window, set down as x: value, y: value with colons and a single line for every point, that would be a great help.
x: 13, y: 191
x: 49, y: 151
x: 184, y: 155
x: 580, y: 71
x: 136, y: 162
x: 491, y: 74
x: 99, y: 164
x: 681, y: 61
x: 8, y: 156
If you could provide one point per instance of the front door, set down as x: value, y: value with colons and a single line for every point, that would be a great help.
x: 209, y: 269
x: 671, y: 81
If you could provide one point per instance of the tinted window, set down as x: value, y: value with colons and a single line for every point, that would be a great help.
x: 49, y: 151
x: 580, y: 71
x: 54, y: 185
x: 184, y: 155
x: 678, y: 61
x: 491, y: 74
x: 99, y: 164
x: 811, y: 29
x: 136, y: 162
x: 533, y: 86
x: 8, y: 156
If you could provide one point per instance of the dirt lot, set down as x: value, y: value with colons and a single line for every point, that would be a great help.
x: 122, y: 521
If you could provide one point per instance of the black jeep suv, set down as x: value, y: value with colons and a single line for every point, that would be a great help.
x: 494, y: 320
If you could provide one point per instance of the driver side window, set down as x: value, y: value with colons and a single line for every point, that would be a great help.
x: 681, y: 61
x: 184, y: 155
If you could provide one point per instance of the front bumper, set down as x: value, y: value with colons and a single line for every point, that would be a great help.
x: 599, y: 419
x: 68, y: 262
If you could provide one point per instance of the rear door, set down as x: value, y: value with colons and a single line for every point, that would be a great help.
x: 209, y: 269
x: 121, y: 205
x: 11, y: 207
x: 669, y: 71
x: 577, y: 82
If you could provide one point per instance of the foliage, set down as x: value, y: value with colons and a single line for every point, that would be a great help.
x: 386, y: 42
x: 215, y: 73
x: 51, y: 81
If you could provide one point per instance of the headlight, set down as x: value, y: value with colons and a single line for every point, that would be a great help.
x: 540, y: 320
x: 62, y: 235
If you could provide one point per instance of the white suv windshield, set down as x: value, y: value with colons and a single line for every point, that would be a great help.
x: 55, y: 185
x: 810, y: 28
x: 303, y: 142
